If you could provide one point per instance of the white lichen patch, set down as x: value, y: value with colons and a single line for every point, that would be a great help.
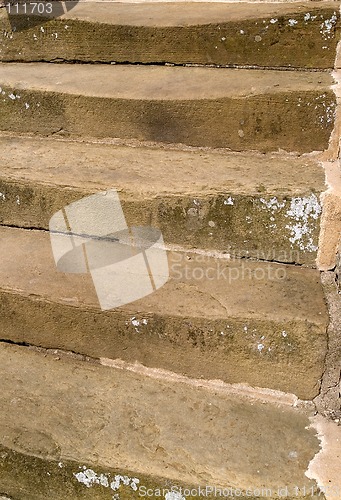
x: 328, y: 111
x: 229, y: 201
x: 174, y: 495
x: 292, y: 22
x: 90, y: 478
x: 309, y: 17
x: 260, y: 347
x: 273, y: 204
x: 303, y: 214
x: 137, y: 323
x: 327, y: 26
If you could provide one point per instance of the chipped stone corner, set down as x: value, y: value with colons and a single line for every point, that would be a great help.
x: 324, y: 468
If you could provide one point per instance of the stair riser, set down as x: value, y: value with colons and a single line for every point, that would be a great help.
x: 292, y: 121
x: 261, y: 226
x: 289, y: 40
x: 228, y: 349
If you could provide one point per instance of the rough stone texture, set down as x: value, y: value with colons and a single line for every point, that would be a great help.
x: 238, y: 321
x: 77, y: 411
x: 252, y: 205
x: 330, y: 236
x: 229, y: 108
x: 302, y: 34
x: 328, y: 402
x: 31, y: 478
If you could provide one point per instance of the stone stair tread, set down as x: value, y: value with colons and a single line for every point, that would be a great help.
x: 157, y: 82
x: 200, y: 33
x: 185, y: 13
x: 237, y: 109
x: 39, y: 277
x: 257, y: 320
x: 151, y: 172
x: 142, y: 427
x: 243, y: 203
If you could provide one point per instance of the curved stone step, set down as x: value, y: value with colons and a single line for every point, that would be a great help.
x: 248, y: 205
x: 294, y: 35
x: 219, y: 108
x: 81, y: 430
x: 234, y: 320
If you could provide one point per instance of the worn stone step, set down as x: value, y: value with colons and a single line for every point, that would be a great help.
x: 293, y: 35
x: 221, y: 108
x: 248, y: 205
x: 234, y: 320
x: 73, y: 429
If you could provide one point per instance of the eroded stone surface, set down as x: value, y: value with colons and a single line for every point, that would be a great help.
x: 238, y: 321
x: 330, y: 236
x: 229, y: 108
x: 247, y: 205
x: 325, y: 467
x: 302, y: 34
x: 90, y: 414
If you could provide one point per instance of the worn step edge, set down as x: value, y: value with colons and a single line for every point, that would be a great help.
x: 219, y: 34
x: 248, y: 205
x: 229, y: 108
x: 256, y: 323
x: 122, y: 407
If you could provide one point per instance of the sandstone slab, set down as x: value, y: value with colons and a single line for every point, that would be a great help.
x: 247, y: 205
x: 220, y: 108
x: 291, y: 35
x: 76, y: 429
x: 237, y: 321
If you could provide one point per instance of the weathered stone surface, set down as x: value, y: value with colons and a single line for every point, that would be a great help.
x: 238, y: 321
x: 325, y: 467
x: 254, y: 205
x: 229, y: 108
x: 330, y: 236
x: 293, y: 35
x: 103, y: 419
